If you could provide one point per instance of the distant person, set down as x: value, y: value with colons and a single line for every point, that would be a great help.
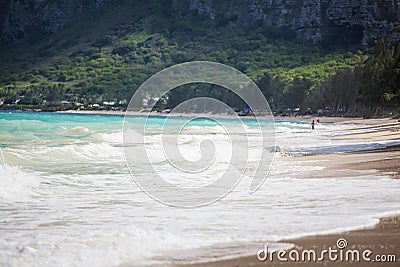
x: 318, y: 120
x: 312, y: 124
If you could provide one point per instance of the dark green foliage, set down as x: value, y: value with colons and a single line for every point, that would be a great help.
x: 123, y: 49
x: 372, y: 88
x: 106, y: 40
x: 279, y: 33
x: 295, y: 93
x: 186, y: 92
x: 106, y: 57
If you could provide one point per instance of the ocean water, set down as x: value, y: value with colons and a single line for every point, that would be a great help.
x: 67, y: 198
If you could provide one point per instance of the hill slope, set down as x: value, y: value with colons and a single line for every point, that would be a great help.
x: 106, y: 54
x: 324, y: 21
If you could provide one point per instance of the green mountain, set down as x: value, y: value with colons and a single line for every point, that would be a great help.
x: 89, y: 52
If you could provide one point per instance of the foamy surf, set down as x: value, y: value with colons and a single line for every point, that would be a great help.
x: 15, y: 184
x: 72, y: 201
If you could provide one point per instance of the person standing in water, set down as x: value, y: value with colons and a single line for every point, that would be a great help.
x: 312, y: 124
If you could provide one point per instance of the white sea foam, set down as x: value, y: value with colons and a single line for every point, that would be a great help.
x: 86, y: 211
x: 15, y: 184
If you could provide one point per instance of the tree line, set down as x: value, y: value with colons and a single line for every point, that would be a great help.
x: 370, y: 88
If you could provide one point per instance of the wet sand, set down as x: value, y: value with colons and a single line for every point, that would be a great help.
x: 381, y: 161
x: 383, y: 239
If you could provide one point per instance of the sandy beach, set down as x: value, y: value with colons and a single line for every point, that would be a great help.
x: 317, y: 190
x: 383, y: 239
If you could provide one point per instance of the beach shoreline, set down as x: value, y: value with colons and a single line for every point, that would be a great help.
x: 381, y: 162
x: 323, y: 119
x: 383, y: 238
x: 305, y: 118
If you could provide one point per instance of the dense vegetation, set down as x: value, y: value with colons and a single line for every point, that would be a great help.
x: 105, y: 56
x: 369, y: 88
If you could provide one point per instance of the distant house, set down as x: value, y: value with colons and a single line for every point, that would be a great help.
x: 145, y: 102
x: 106, y: 103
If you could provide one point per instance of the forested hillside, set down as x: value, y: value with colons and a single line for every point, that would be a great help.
x: 106, y: 54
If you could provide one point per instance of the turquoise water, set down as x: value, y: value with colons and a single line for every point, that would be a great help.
x: 19, y: 128
x: 67, y: 198
x: 32, y: 127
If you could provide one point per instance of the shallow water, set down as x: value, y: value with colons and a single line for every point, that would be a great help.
x: 66, y: 196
